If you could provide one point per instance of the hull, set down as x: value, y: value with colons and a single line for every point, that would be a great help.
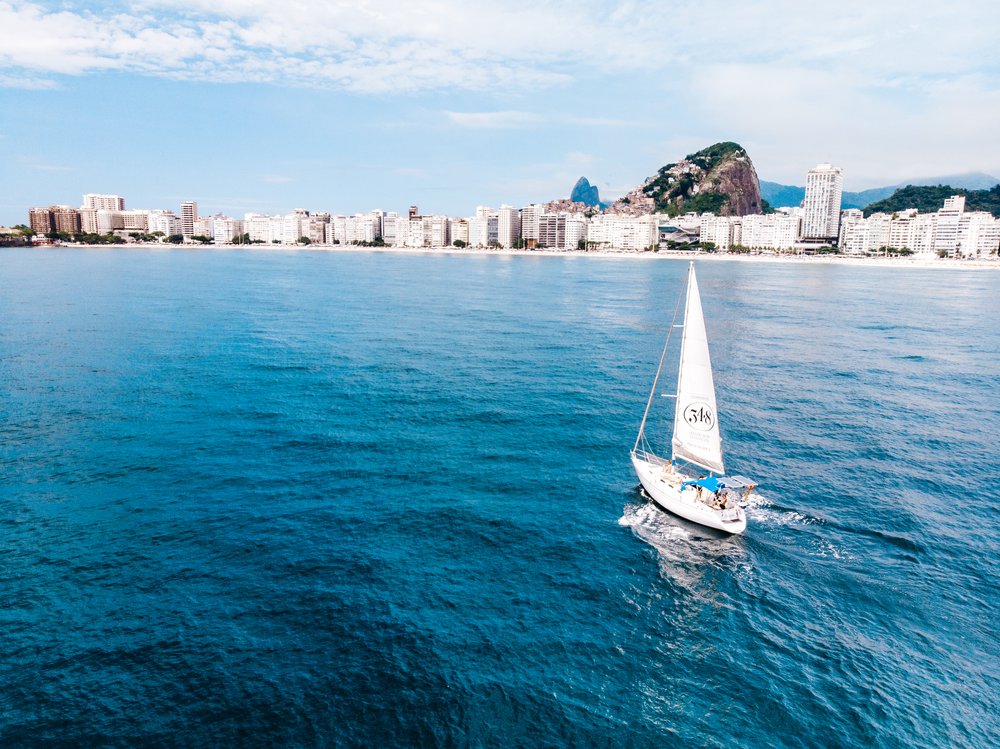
x: 663, y: 484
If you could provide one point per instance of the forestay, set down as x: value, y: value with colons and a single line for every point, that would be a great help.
x: 696, y: 422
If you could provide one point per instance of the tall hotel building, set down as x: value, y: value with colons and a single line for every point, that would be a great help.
x: 821, y: 207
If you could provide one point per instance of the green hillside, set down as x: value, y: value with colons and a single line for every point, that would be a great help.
x: 930, y: 198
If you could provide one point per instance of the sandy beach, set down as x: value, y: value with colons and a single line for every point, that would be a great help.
x: 898, y: 262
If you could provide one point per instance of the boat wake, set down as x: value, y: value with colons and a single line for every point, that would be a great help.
x: 686, y: 551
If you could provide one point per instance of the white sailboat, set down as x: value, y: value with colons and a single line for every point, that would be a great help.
x: 710, y: 499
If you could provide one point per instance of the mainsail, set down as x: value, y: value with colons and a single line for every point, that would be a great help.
x: 696, y: 421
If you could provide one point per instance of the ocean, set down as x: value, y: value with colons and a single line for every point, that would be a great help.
x: 299, y: 498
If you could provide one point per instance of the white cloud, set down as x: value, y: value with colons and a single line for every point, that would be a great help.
x: 501, y: 120
x: 519, y: 119
x: 793, y: 82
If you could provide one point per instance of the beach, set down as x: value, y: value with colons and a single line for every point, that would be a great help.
x: 921, y: 261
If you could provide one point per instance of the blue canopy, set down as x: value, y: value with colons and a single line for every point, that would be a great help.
x: 715, y: 483
x: 711, y: 483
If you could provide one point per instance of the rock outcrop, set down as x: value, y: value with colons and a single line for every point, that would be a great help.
x: 586, y: 193
x: 720, y: 179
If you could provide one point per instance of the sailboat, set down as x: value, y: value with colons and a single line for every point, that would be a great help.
x: 692, y: 482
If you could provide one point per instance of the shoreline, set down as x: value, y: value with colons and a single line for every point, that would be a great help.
x: 898, y: 262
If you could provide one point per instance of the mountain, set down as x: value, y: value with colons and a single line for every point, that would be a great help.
x: 929, y: 198
x: 584, y: 192
x: 720, y: 179
x: 781, y: 195
x: 790, y: 195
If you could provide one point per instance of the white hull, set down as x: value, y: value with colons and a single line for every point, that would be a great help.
x: 663, y: 483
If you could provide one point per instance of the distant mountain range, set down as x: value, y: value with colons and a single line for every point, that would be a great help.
x: 779, y: 195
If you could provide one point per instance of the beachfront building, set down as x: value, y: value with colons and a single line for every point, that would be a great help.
x: 204, y: 226
x: 722, y: 231
x: 40, y: 220
x: 361, y: 227
x: 460, y: 230
x: 621, y: 232
x: 529, y: 224
x: 561, y: 231
x: 189, y: 214
x: 552, y: 230
x: 484, y: 227
x: 773, y: 231
x: 863, y: 236
x: 508, y: 226
x: 226, y: 230
x: 264, y: 228
x: 389, y: 221
x: 54, y: 218
x: 950, y: 232
x: 821, y: 205
x: 135, y: 221
x: 317, y: 227
x: 166, y: 222
x: 294, y: 226
x: 437, y: 231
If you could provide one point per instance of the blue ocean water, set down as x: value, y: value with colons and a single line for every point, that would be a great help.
x: 336, y: 499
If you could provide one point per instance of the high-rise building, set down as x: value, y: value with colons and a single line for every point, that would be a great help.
x: 821, y: 206
x: 65, y: 219
x: 552, y: 230
x: 189, y: 214
x: 508, y: 226
x: 40, y: 220
x: 529, y: 224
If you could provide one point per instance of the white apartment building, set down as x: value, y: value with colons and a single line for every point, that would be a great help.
x: 576, y: 231
x: 508, y: 226
x: 460, y: 230
x: 135, y: 220
x: 774, y: 231
x: 484, y: 228
x: 821, y: 206
x: 866, y: 235
x: 529, y: 222
x: 389, y: 223
x: 353, y: 229
x: 204, y: 227
x: 226, y: 229
x: 294, y: 226
x: 612, y: 231
x: 164, y: 221
x: 264, y: 228
x: 97, y: 202
x: 951, y: 231
x: 437, y: 231
x: 722, y: 231
x: 109, y: 221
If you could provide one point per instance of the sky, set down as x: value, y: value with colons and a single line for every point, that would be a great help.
x: 255, y: 105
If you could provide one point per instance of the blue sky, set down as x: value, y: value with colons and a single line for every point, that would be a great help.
x: 251, y: 105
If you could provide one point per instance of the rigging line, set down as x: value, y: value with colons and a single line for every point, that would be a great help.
x: 663, y: 355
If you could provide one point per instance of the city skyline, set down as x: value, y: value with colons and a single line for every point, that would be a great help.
x: 455, y: 105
